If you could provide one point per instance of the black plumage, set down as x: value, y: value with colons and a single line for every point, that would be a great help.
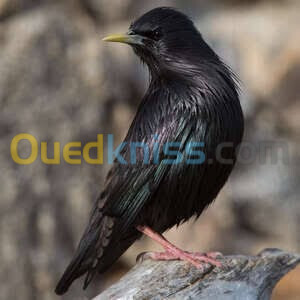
x: 192, y: 96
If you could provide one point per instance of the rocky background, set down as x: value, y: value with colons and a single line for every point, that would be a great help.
x: 59, y: 82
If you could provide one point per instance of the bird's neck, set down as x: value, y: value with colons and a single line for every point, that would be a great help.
x: 210, y: 78
x: 208, y: 92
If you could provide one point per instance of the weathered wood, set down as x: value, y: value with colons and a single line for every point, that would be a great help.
x: 240, y: 277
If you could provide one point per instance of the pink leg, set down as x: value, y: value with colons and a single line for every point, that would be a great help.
x: 172, y: 252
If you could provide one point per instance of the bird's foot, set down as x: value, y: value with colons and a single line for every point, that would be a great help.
x: 172, y: 252
x: 211, y: 255
x: 195, y: 258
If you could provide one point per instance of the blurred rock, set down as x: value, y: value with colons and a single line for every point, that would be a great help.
x: 106, y: 11
x: 56, y: 85
x: 262, y: 45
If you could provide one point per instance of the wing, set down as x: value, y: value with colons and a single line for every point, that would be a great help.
x: 128, y: 188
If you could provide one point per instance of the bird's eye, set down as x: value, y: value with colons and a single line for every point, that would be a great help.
x: 157, y: 34
x: 153, y: 34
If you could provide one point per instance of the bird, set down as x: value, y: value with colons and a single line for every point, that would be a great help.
x: 192, y: 103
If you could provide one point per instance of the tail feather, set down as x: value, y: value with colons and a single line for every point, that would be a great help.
x: 87, y: 249
x: 80, y: 263
x: 73, y: 271
x: 99, y: 248
x: 111, y: 255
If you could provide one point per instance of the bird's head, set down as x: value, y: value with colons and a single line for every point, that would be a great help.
x: 167, y: 41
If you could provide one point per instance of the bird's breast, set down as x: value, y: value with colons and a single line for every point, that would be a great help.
x: 216, y: 126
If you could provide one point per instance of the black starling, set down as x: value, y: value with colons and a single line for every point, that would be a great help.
x: 192, y: 97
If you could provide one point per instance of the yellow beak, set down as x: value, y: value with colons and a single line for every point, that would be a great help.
x: 125, y: 38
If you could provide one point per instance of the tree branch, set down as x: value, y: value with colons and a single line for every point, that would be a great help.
x: 240, y: 277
